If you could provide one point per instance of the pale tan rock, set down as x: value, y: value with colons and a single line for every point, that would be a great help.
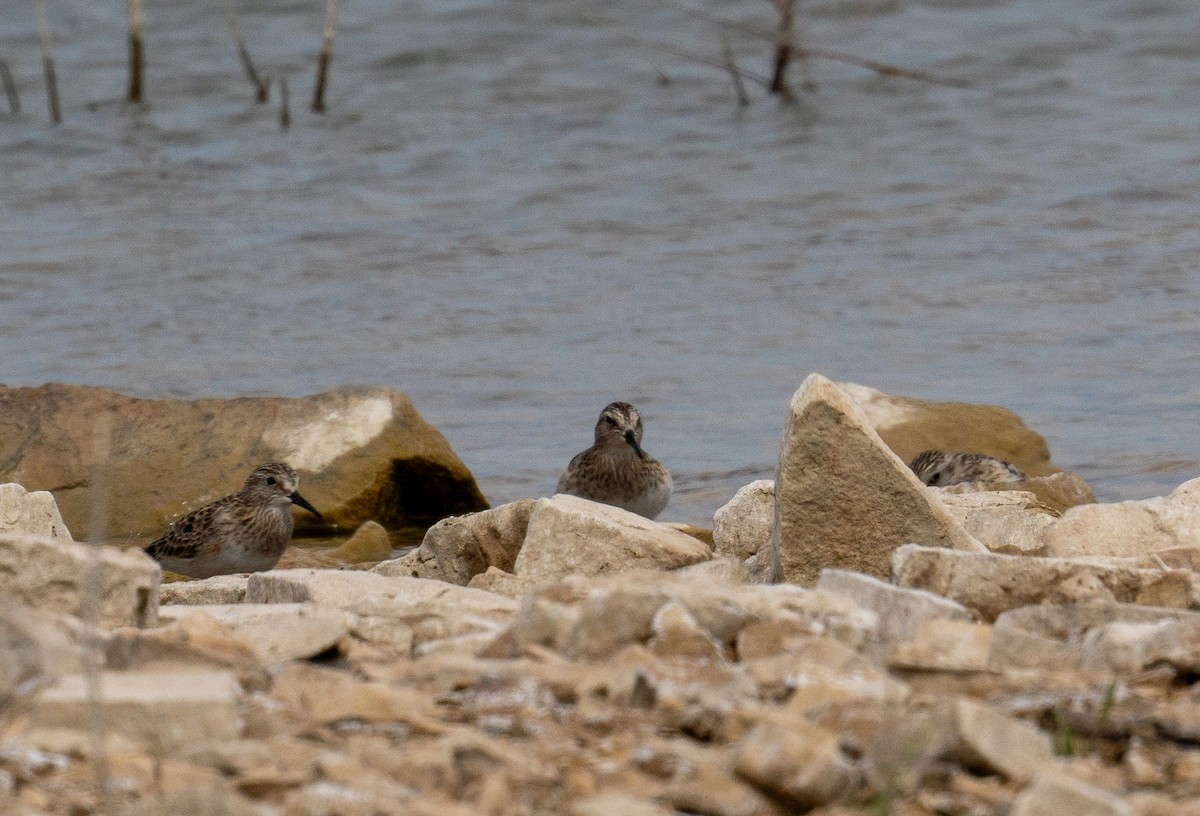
x: 167, y: 709
x: 568, y: 535
x: 52, y: 575
x: 900, y: 611
x: 328, y: 695
x: 1058, y: 492
x: 797, y: 761
x: 1126, y: 648
x: 729, y: 570
x: 743, y: 525
x: 843, y: 499
x: 1045, y: 637
x: 502, y: 583
x: 677, y: 635
x: 1010, y: 522
x: 458, y: 548
x: 31, y: 513
x: 34, y: 645
x: 819, y: 671
x: 987, y: 740
x: 910, y: 426
x: 276, y: 632
x: 361, y: 454
x: 991, y: 583
x: 611, y: 803
x: 370, y: 542
x: 943, y: 645
x: 1128, y: 528
x: 1052, y: 793
x: 220, y: 589
x: 434, y: 609
x: 1175, y: 588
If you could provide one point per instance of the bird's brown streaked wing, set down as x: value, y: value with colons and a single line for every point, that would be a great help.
x: 185, y: 536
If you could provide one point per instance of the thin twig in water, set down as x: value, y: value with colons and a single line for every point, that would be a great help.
x: 262, y: 87
x: 43, y: 23
x: 285, y: 113
x: 137, y: 37
x: 10, y: 88
x: 783, y: 46
x: 318, y: 103
x: 92, y: 657
x: 738, y: 86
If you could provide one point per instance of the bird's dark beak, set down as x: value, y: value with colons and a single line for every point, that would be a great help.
x: 303, y: 502
x: 632, y: 440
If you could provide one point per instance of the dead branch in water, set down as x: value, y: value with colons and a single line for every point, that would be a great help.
x: 318, y: 103
x: 803, y: 52
x: 10, y: 88
x: 783, y: 45
x: 285, y: 113
x: 739, y: 87
x: 262, y: 87
x: 137, y: 39
x: 43, y: 23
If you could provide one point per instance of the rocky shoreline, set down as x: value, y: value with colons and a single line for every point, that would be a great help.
x: 845, y: 641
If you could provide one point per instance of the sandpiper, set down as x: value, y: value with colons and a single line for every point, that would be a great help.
x: 933, y: 467
x: 615, y: 470
x: 243, y: 532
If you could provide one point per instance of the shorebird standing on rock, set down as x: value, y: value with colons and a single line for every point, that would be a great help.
x: 933, y: 467
x: 615, y: 470
x: 243, y: 532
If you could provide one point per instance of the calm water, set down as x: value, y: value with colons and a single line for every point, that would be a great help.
x: 509, y: 215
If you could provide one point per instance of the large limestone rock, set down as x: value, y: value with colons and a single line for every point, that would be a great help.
x: 1129, y: 528
x: 457, y: 549
x: 362, y: 454
x: 33, y: 513
x: 910, y: 426
x: 1057, y: 793
x: 276, y: 632
x: 53, y: 576
x: 568, y: 535
x: 843, y: 499
x: 991, y: 583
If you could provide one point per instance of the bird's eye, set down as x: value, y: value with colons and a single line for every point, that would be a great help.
x: 270, y: 480
x: 935, y: 478
x: 610, y: 420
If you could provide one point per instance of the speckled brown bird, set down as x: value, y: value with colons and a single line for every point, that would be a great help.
x: 243, y: 532
x: 933, y: 467
x: 615, y: 469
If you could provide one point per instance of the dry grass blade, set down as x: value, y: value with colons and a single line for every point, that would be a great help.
x: 10, y: 88
x: 93, y: 655
x: 43, y: 23
x: 137, y: 37
x: 318, y: 103
x: 262, y: 86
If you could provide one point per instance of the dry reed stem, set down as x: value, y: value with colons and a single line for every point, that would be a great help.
x: 285, y: 113
x: 137, y: 37
x: 93, y: 659
x: 262, y: 87
x: 318, y: 103
x: 43, y: 23
x: 10, y: 88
